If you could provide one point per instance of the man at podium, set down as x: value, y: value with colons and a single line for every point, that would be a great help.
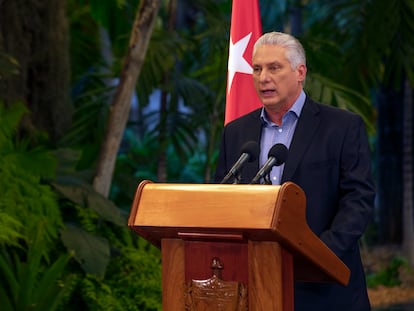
x: 328, y: 157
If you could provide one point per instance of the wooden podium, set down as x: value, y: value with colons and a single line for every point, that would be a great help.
x: 232, y: 247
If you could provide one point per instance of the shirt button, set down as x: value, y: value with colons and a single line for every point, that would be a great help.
x: 280, y: 130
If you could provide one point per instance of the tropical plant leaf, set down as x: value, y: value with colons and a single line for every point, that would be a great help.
x: 9, y: 282
x: 10, y: 228
x: 90, y: 251
x: 6, y: 304
x: 52, y: 289
x: 84, y: 195
x: 9, y: 121
x: 29, y: 284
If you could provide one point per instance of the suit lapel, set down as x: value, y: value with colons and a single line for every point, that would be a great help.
x: 253, y: 132
x: 305, y: 129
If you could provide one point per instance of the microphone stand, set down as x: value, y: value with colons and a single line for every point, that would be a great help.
x: 237, y: 178
x: 267, y: 180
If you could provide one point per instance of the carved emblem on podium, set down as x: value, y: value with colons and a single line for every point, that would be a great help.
x: 214, y: 294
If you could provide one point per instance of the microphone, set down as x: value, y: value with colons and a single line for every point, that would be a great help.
x: 277, y: 156
x: 249, y: 153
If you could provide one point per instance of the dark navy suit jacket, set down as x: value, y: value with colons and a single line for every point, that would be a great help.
x: 329, y: 158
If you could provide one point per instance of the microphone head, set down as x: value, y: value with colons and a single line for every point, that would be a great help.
x: 279, y: 152
x: 252, y: 149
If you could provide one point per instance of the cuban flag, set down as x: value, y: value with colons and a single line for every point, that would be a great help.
x: 246, y: 28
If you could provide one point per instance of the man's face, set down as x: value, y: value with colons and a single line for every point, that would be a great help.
x: 276, y: 83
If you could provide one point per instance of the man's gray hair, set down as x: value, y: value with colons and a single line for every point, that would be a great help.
x: 294, y: 49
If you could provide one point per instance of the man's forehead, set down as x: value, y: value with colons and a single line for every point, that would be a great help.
x: 270, y: 53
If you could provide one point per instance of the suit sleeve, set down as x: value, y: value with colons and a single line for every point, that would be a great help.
x: 356, y: 192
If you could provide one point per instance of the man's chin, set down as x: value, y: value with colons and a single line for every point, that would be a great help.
x: 270, y: 103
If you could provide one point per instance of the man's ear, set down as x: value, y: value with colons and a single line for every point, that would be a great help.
x: 301, y: 70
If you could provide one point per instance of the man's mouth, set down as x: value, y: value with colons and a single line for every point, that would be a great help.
x: 268, y: 92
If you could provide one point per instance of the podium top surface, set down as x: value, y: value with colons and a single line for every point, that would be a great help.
x: 206, y: 206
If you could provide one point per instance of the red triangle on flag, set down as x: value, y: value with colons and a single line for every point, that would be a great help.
x: 245, y: 29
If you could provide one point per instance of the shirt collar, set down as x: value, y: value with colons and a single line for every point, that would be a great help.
x: 296, y: 108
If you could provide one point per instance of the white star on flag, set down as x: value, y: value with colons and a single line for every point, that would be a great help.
x: 237, y: 63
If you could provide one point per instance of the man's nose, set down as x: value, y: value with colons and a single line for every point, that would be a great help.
x: 264, y: 76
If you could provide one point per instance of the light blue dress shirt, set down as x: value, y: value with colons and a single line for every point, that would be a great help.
x: 274, y: 134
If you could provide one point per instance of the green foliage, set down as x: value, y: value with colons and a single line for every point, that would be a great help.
x: 363, y: 59
x: 29, y: 202
x: 88, y: 217
x: 10, y: 119
x: 389, y: 276
x: 35, y: 272
x: 91, y: 97
x: 10, y: 228
x: 140, y: 284
x: 30, y: 281
x: 133, y: 283
x: 30, y: 223
x: 21, y: 151
x: 97, y: 295
x: 104, y: 247
x: 122, y: 271
x: 91, y: 251
x: 26, y: 201
x: 83, y: 194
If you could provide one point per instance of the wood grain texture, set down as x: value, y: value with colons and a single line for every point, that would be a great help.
x: 265, y: 277
x: 173, y: 271
x: 233, y: 256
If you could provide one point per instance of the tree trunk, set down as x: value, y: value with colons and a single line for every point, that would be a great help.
x: 138, y: 44
x: 408, y: 213
x: 35, y: 33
